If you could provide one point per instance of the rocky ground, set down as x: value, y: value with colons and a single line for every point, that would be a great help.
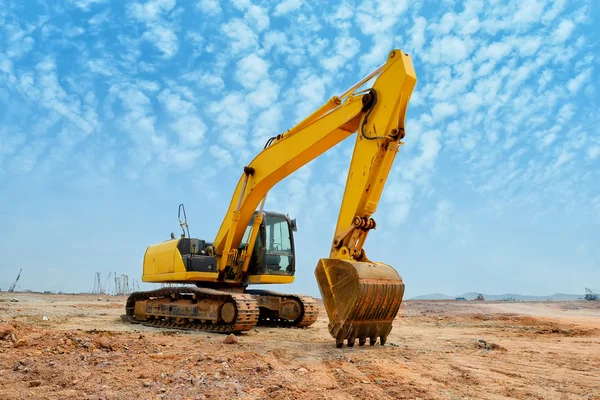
x: 76, y: 347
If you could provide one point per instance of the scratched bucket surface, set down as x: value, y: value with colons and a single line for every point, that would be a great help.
x: 361, y: 299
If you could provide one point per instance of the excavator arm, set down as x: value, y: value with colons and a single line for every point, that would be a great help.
x: 361, y: 297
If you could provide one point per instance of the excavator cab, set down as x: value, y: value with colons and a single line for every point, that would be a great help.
x: 273, y: 252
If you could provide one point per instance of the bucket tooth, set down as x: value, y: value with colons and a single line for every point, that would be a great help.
x: 362, y: 299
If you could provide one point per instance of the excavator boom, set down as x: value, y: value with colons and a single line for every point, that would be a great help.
x: 361, y: 297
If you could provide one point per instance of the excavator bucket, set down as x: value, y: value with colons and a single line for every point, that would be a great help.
x: 361, y: 299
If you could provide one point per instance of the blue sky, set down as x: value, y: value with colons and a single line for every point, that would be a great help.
x: 112, y: 113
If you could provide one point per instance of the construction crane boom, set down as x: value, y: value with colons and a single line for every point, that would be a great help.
x: 12, y: 287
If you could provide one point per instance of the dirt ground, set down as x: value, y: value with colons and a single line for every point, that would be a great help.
x: 76, y: 347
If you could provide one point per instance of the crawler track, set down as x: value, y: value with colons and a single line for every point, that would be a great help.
x: 309, y: 313
x: 246, y: 310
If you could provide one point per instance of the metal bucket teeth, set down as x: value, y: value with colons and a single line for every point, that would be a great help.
x: 361, y: 299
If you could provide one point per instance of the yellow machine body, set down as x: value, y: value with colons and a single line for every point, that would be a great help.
x: 163, y: 263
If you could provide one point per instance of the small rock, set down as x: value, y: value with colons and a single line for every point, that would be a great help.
x: 14, y: 300
x: 44, y: 318
x: 217, y: 375
x: 163, y: 390
x: 274, y: 388
x: 146, y: 384
x: 366, y: 382
x: 489, y: 346
x: 35, y: 383
x: 230, y: 339
x: 301, y: 371
x: 7, y: 332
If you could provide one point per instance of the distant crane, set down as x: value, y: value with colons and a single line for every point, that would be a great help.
x: 97, y: 284
x: 592, y: 295
x: 12, y: 288
x: 106, y: 286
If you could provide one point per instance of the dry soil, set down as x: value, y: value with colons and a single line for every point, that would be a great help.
x: 437, y: 350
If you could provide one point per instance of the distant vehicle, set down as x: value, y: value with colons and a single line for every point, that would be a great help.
x: 479, y: 297
x: 460, y: 298
x: 592, y: 295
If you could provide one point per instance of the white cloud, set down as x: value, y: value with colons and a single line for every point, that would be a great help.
x: 264, y: 95
x: 563, y: 31
x: 529, y: 11
x: 250, y: 70
x: 174, y: 104
x: 158, y: 30
x: 267, y: 125
x: 421, y: 166
x: 241, y: 37
x: 495, y: 51
x: 223, y: 157
x: 378, y: 19
x: 442, y: 217
x: 286, y: 7
x: 86, y: 5
x: 210, y: 7
x: 545, y: 78
x: 443, y: 110
x: 575, y: 84
x: 345, y: 48
x: 554, y: 11
x: 448, y: 50
x: 310, y: 93
x: 54, y: 97
x: 150, y: 11
x: 399, y: 195
x: 258, y: 17
x: 593, y: 152
x: 205, y: 80
x: 341, y: 18
x: 190, y: 129
x: 231, y: 115
x: 417, y: 33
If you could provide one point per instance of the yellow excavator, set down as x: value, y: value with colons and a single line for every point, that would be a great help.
x: 208, y: 281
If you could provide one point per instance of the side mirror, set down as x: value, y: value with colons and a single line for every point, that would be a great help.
x: 294, y: 226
